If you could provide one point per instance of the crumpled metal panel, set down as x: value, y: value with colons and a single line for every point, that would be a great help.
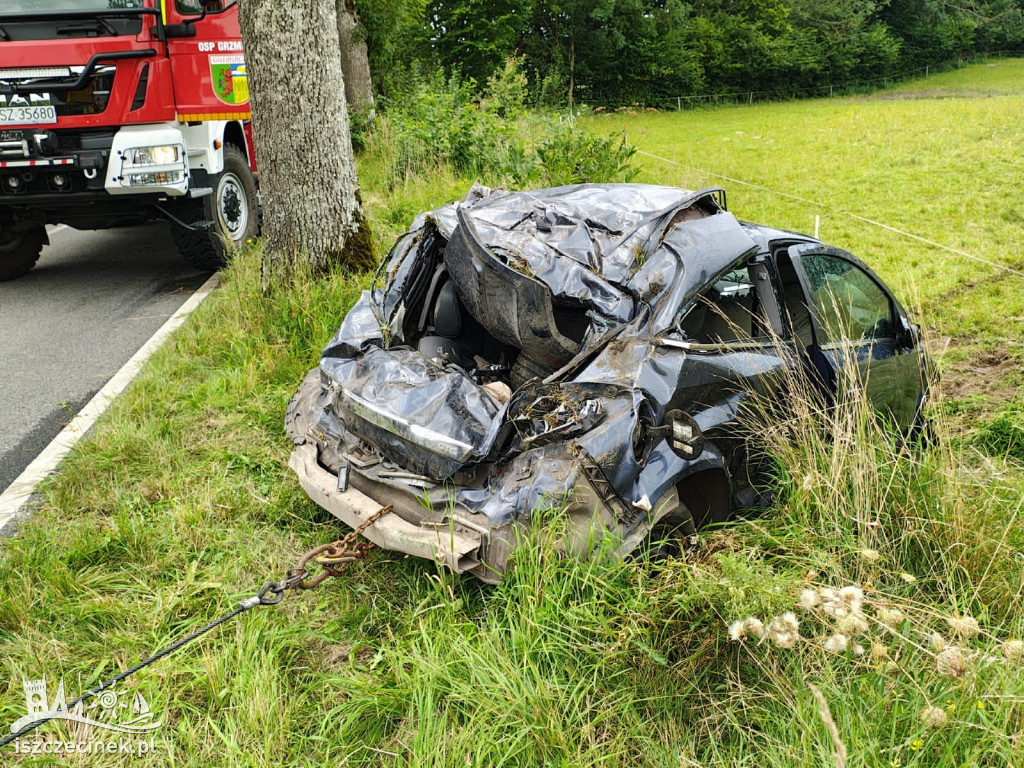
x: 633, y: 254
x: 430, y: 419
x: 585, y: 242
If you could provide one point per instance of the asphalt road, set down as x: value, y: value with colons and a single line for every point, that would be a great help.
x: 93, y: 299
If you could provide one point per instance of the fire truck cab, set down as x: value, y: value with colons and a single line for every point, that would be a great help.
x: 116, y: 112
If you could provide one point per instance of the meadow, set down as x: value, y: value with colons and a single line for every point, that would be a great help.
x: 180, y: 504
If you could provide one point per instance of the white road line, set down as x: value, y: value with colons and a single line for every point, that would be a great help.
x: 58, y: 228
x: 12, y: 501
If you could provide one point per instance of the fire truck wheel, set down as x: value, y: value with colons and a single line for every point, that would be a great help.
x: 232, y: 208
x: 19, y: 252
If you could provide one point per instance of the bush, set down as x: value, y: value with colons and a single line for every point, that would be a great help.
x: 573, y: 156
x: 488, y: 137
x: 443, y: 123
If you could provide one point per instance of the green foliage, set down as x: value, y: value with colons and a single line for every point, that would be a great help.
x: 488, y: 137
x: 574, y: 156
x: 360, y: 121
x: 443, y: 122
x: 625, y: 52
x: 506, y: 90
x: 397, y: 43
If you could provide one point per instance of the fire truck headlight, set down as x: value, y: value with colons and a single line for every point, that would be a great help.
x: 154, y: 179
x: 167, y: 154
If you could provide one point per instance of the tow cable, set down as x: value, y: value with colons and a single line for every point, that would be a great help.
x: 333, y: 559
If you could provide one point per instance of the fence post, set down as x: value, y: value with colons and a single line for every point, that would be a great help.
x: 679, y: 103
x: 751, y: 99
x: 830, y: 91
x: 926, y: 71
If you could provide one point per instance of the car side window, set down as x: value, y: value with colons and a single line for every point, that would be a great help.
x: 850, y: 304
x: 728, y: 311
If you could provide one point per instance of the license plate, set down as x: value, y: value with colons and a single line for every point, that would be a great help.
x: 27, y: 115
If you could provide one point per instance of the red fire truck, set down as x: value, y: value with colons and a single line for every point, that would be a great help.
x: 116, y: 112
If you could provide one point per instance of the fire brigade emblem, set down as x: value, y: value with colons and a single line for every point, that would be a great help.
x: 230, y: 81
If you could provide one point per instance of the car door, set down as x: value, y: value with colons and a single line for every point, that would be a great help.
x: 860, y: 337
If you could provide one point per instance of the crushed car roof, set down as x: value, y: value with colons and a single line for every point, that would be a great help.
x: 609, y: 246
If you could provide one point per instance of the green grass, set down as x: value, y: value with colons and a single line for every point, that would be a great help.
x: 944, y: 167
x: 180, y: 504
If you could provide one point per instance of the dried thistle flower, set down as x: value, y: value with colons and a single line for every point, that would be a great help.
x: 1013, y: 650
x: 736, y: 631
x: 844, y: 602
x: 937, y: 641
x: 858, y: 649
x: 809, y: 599
x: 964, y: 626
x: 951, y: 662
x: 740, y: 629
x: 871, y: 555
x: 908, y: 577
x: 879, y: 652
x: 852, y: 595
x: 890, y: 617
x: 790, y: 622
x: 933, y: 717
x: 852, y: 625
x: 785, y: 639
x: 836, y: 643
x: 784, y: 630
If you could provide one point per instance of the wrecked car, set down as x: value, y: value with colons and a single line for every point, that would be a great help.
x: 587, y: 349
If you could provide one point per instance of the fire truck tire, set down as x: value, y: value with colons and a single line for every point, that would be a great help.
x: 233, y: 208
x: 20, y: 252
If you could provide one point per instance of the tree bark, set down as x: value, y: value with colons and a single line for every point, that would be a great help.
x: 355, y: 61
x: 310, y: 194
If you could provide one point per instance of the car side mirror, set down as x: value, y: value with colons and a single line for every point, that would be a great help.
x: 683, y: 434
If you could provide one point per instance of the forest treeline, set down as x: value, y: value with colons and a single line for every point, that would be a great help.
x: 617, y: 52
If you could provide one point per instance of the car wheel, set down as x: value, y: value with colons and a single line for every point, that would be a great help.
x: 671, y: 535
x: 232, y: 208
x: 20, y: 251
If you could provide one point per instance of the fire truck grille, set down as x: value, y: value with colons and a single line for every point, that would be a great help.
x: 90, y: 100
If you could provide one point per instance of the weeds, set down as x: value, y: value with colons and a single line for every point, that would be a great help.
x: 488, y: 137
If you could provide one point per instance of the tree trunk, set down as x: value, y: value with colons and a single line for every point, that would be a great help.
x: 311, y: 206
x: 355, y: 62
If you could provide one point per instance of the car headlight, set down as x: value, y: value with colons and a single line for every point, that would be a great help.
x: 166, y: 154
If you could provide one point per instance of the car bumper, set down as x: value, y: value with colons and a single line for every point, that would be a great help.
x: 456, y: 548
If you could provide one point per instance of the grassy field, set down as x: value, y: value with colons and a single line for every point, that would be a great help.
x: 936, y: 158
x: 180, y: 504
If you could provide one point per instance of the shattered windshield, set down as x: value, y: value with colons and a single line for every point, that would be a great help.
x: 40, y: 6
